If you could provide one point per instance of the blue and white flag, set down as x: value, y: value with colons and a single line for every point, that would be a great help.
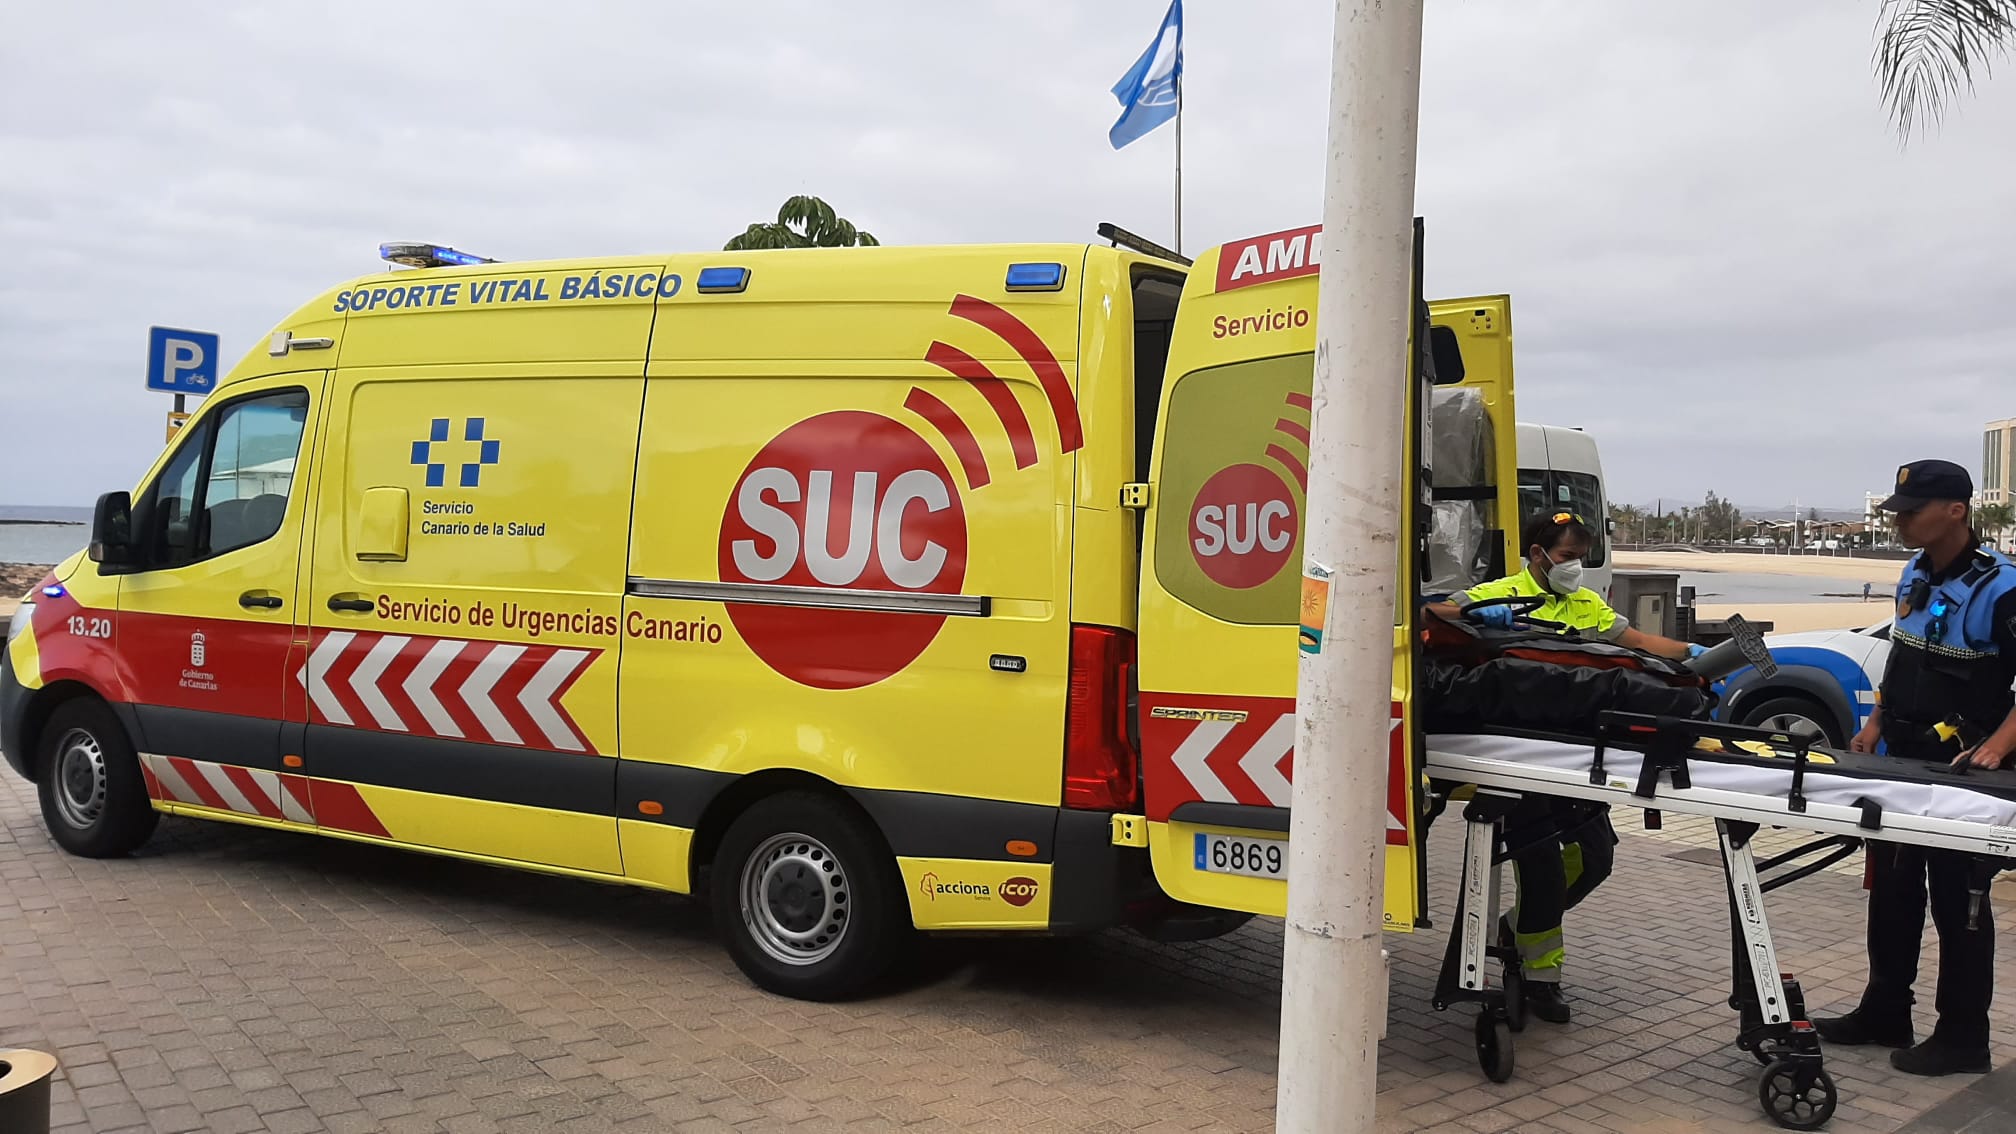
x: 1148, y: 89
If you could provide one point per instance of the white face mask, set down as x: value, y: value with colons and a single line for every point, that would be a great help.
x: 1565, y: 578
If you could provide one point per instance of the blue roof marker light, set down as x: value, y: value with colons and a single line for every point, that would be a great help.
x: 422, y: 255
x: 1035, y: 277
x: 723, y: 281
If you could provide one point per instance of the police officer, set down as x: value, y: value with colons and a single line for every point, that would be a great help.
x: 1952, y: 664
x: 1562, y: 849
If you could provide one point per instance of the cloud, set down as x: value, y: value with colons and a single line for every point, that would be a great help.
x: 1722, y: 262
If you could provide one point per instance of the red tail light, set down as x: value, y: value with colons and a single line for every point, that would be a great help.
x: 1102, y: 770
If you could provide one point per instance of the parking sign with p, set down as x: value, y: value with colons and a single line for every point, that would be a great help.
x: 181, y: 362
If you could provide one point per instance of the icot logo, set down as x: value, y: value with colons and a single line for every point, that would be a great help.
x: 856, y: 501
x: 1019, y: 891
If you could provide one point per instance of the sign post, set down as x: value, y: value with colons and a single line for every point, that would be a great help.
x: 181, y: 363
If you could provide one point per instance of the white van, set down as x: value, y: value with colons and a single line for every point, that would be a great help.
x: 1559, y: 468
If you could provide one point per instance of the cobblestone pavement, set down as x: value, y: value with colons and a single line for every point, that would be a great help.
x: 231, y: 979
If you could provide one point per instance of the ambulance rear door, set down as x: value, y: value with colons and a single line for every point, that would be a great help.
x: 1221, y: 581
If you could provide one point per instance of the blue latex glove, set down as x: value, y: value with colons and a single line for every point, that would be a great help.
x: 1695, y: 650
x: 1497, y: 616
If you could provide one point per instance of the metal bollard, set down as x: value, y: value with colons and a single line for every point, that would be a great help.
x: 24, y: 1091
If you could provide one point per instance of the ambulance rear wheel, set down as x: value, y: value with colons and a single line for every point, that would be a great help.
x: 94, y: 799
x: 807, y: 898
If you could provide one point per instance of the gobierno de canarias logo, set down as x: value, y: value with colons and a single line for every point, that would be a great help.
x: 852, y: 500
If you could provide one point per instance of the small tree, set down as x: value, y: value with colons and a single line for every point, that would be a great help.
x: 1929, y: 49
x: 802, y: 222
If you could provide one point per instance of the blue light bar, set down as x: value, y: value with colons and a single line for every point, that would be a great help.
x: 422, y: 255
x: 54, y: 590
x: 1035, y: 277
x: 715, y: 281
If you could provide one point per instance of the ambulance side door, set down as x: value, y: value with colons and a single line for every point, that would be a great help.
x: 209, y: 614
x: 468, y: 579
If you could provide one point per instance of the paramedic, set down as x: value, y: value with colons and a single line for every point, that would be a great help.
x: 1561, y: 849
x: 1952, y: 662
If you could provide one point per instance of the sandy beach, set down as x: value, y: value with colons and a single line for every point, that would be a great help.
x: 1785, y: 617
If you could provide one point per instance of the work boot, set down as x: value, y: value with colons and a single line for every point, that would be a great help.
x: 1937, y: 1056
x: 1858, y: 1028
x: 1544, y: 999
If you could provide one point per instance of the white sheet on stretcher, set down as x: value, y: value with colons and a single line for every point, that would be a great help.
x: 1620, y: 766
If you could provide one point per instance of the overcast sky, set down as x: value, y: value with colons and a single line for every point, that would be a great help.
x: 1723, y: 263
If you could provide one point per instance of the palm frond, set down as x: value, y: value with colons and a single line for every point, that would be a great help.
x: 1928, y: 50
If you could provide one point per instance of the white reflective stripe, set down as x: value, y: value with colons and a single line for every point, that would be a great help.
x: 1866, y: 696
x: 538, y: 698
x: 223, y: 785
x: 476, y: 693
x: 269, y: 782
x: 364, y: 682
x: 325, y: 655
x: 288, y: 806
x: 1261, y: 761
x: 1196, y: 748
x: 420, y: 687
x: 172, y: 785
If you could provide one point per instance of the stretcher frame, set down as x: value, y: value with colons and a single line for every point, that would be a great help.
x: 1795, y: 1089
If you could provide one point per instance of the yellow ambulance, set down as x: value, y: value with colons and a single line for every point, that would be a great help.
x: 809, y: 581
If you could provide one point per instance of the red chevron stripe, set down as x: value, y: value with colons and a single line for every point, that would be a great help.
x: 1030, y: 345
x: 248, y: 786
x: 962, y: 365
x: 560, y: 695
x: 297, y: 786
x: 342, y: 669
x: 508, y: 688
x: 940, y: 415
x: 193, y: 776
x: 1301, y: 401
x: 449, y: 689
x: 340, y: 807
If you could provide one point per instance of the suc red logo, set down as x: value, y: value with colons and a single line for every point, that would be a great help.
x: 1242, y: 526
x: 845, y: 500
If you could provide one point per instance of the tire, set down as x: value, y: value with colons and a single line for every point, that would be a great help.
x: 808, y: 899
x: 1780, y: 714
x: 94, y: 800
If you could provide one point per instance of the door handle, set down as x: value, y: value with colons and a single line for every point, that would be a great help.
x: 259, y: 600
x: 350, y: 604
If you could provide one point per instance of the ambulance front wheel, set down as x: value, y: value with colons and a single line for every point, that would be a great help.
x: 807, y: 897
x: 94, y: 800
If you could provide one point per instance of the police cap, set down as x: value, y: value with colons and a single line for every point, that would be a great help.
x: 1922, y: 482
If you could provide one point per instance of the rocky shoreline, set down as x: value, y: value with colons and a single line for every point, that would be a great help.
x: 16, y: 578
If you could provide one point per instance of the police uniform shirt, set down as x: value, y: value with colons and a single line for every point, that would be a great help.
x: 1911, y: 658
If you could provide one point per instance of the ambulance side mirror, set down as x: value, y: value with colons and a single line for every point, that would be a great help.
x: 112, y: 533
x: 1446, y: 353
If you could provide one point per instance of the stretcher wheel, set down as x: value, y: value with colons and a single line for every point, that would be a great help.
x: 1515, y: 996
x: 1494, y: 1047
x: 1797, y: 1094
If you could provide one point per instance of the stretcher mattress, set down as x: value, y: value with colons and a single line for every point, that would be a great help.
x: 1915, y: 809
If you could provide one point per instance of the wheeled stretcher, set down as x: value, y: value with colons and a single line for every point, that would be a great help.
x: 1744, y: 779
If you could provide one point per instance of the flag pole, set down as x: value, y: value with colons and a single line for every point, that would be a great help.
x: 1179, y: 161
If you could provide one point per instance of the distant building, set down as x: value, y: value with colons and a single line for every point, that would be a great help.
x: 1998, y: 451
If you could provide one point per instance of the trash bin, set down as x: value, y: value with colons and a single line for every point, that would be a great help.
x: 24, y: 1091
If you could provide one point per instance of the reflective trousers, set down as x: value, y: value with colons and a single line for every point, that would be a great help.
x: 1562, y: 850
